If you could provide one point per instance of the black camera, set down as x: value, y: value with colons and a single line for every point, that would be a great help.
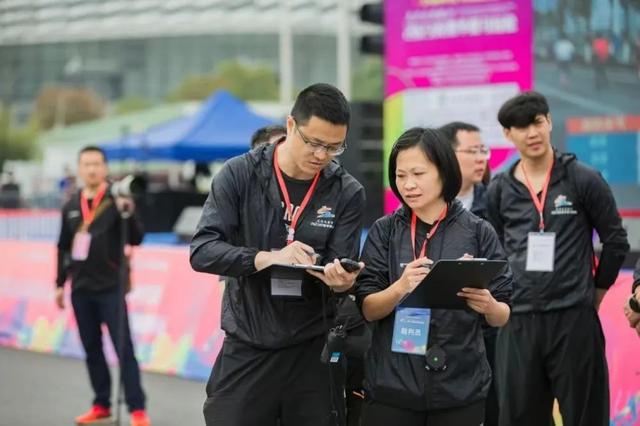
x: 335, y: 345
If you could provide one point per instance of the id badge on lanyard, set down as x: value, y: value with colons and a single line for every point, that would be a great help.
x: 82, y: 239
x: 411, y: 325
x: 81, y: 245
x: 541, y: 246
x: 411, y: 330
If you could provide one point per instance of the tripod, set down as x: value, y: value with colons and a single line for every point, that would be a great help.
x: 123, y: 275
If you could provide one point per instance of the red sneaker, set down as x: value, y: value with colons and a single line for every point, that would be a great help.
x: 140, y: 418
x: 96, y: 415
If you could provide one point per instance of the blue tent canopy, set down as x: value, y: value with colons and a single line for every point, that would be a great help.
x: 221, y: 129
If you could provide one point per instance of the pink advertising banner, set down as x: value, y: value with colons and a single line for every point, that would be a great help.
x: 439, y: 43
x: 174, y: 311
x: 455, y: 60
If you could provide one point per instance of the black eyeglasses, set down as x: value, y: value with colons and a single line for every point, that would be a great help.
x: 317, y: 146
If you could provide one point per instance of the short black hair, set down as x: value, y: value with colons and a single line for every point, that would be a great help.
x: 438, y: 150
x: 264, y: 134
x: 450, y: 131
x: 323, y: 101
x: 522, y: 110
x: 93, y: 148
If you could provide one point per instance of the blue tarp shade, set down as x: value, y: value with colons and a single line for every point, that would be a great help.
x: 221, y: 129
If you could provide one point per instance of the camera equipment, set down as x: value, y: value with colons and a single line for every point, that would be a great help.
x: 130, y: 186
x: 436, y: 359
x: 335, y: 344
x: 349, y: 265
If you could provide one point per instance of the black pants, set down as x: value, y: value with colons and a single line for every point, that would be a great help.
x: 491, y: 411
x: 91, y: 310
x: 377, y: 414
x: 354, y: 390
x: 558, y: 354
x: 287, y: 387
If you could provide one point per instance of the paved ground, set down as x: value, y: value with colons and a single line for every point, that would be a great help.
x: 47, y: 390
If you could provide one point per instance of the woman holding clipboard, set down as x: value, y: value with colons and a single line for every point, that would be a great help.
x: 426, y: 367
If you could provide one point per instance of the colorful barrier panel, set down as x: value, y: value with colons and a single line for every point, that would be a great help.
x: 175, y: 315
x: 175, y: 312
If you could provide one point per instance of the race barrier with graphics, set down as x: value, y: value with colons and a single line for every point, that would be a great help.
x: 175, y: 315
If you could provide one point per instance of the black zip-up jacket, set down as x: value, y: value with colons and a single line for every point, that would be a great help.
x: 479, y: 205
x: 100, y: 271
x: 578, y: 201
x: 399, y: 379
x: 243, y: 215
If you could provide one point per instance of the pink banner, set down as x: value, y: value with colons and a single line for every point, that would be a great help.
x: 439, y: 43
x: 175, y: 316
x: 175, y: 312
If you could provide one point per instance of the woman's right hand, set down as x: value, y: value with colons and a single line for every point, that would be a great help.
x: 414, y: 273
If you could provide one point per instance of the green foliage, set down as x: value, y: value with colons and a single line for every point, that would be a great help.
x: 62, y: 105
x: 367, y: 80
x: 243, y: 81
x: 249, y: 82
x: 16, y: 143
x: 131, y: 104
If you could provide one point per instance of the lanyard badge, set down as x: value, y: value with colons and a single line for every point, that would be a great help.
x: 411, y: 325
x: 541, y: 245
x: 82, y: 239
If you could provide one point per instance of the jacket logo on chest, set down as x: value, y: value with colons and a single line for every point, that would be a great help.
x: 563, y: 206
x: 324, y: 218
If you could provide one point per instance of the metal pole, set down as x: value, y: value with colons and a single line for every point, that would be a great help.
x: 343, y: 51
x: 286, y: 54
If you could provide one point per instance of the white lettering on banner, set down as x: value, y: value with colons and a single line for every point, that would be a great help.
x: 460, y: 27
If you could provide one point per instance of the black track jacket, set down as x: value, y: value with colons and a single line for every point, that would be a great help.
x: 100, y: 271
x: 399, y: 379
x: 578, y: 202
x: 243, y: 215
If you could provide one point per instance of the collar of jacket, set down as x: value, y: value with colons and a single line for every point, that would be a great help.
x: 262, y: 160
x: 562, y: 160
x: 455, y: 209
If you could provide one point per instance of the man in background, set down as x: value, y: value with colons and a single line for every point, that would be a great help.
x: 90, y: 252
x: 268, y: 135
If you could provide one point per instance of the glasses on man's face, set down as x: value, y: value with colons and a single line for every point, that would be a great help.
x: 482, y: 151
x: 317, y: 146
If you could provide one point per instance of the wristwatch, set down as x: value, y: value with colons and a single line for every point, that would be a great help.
x: 634, y: 305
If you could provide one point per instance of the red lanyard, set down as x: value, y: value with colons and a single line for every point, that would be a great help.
x: 430, y: 234
x: 539, y: 202
x: 88, y: 214
x: 287, y: 200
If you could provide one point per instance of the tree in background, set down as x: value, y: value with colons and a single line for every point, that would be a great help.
x: 131, y: 104
x: 247, y: 82
x: 16, y: 143
x: 367, y: 80
x: 63, y: 106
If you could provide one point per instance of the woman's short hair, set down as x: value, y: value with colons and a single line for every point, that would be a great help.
x: 438, y: 150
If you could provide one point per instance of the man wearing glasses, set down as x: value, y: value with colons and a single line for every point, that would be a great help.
x: 289, y: 202
x: 473, y: 156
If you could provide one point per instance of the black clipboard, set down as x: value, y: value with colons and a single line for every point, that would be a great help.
x: 438, y: 289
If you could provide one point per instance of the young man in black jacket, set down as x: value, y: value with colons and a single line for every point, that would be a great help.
x: 545, y: 209
x: 89, y: 251
x: 284, y: 203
